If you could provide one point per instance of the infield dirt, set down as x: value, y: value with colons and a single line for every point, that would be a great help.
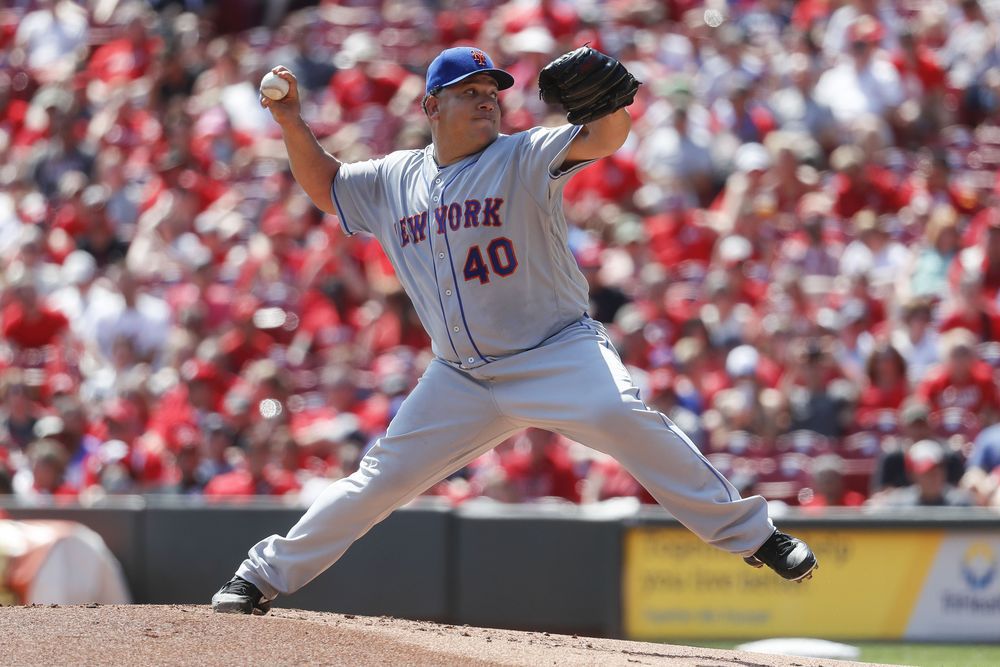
x: 193, y: 635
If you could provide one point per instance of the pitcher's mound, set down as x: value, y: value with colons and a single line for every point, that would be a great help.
x: 193, y: 635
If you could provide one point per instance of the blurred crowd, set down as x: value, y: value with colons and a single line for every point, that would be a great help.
x: 797, y: 251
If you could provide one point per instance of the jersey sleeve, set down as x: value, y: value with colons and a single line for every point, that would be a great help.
x: 540, y: 159
x: 357, y: 190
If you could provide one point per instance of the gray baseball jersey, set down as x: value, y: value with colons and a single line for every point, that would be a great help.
x: 478, y: 245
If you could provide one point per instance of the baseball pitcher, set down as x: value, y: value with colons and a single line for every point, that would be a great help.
x: 474, y: 227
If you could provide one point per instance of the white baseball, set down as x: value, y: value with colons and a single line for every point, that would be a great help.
x: 273, y: 86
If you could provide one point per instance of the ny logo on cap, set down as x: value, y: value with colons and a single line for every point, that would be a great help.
x: 479, y: 57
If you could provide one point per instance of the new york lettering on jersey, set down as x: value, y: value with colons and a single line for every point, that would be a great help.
x: 469, y: 214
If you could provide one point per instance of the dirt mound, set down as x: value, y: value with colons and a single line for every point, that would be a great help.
x: 193, y: 635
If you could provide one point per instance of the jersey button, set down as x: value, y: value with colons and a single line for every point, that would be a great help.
x: 440, y: 255
x: 438, y: 180
x: 471, y: 359
x: 447, y: 292
x: 455, y: 329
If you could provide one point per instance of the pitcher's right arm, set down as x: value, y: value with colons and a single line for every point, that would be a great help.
x: 313, y: 168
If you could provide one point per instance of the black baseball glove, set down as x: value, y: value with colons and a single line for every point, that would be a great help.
x: 588, y: 84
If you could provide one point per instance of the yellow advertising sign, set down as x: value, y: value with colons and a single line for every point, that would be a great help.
x: 676, y: 586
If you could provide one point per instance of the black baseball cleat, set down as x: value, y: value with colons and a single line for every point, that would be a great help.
x: 239, y: 596
x: 789, y: 556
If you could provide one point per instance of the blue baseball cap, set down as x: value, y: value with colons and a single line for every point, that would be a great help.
x: 461, y: 62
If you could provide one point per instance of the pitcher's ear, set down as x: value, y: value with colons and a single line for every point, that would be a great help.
x: 430, y: 103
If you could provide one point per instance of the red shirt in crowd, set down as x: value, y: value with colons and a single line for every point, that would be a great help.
x: 240, y: 347
x: 12, y: 117
x: 975, y: 395
x: 616, y: 482
x: 985, y: 324
x: 121, y: 60
x: 924, y: 67
x: 877, y: 398
x: 552, y: 475
x: 808, y: 12
x: 559, y: 18
x: 274, y: 482
x: 677, y: 237
x: 358, y: 87
x: 612, y: 179
x: 847, y: 499
x: 32, y: 330
x: 876, y: 189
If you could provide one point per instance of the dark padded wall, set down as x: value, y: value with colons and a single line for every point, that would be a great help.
x: 541, y: 568
x: 397, y: 569
x: 541, y: 573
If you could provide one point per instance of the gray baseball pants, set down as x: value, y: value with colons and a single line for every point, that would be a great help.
x: 574, y: 384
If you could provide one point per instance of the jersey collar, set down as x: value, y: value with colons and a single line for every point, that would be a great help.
x: 432, y: 164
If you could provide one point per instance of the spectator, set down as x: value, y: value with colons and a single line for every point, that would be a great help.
x: 127, y: 58
x: 855, y: 341
x: 73, y: 433
x: 858, y: 185
x: 256, y: 476
x: 746, y: 185
x: 97, y: 236
x: 739, y: 113
x: 27, y: 321
x: 969, y: 310
x: 139, y: 317
x: 836, y: 40
x: 827, y: 489
x: 887, y: 385
x: 933, y: 187
x: 812, y: 253
x: 970, y: 43
x: 864, y: 82
x: 925, y: 461
x: 962, y: 381
x: 605, y: 300
x: 72, y: 299
x: 915, y: 425
x: 216, y: 460
x: 980, y: 477
x: 730, y: 60
x: 535, y: 465
x: 791, y: 179
x: 47, y: 475
x: 814, y: 406
x: 20, y: 413
x: 662, y: 397
x: 874, y: 252
x: 797, y: 108
x: 916, y: 339
x: 677, y: 156
x: 921, y: 74
x: 929, y: 275
x: 368, y: 81
x: 51, y: 37
x: 183, y: 477
x: 981, y: 262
